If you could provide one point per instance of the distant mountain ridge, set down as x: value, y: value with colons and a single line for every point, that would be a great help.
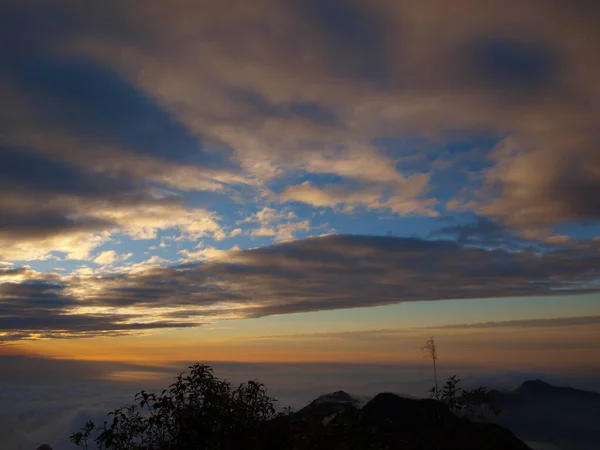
x: 327, y: 406
x: 338, y: 397
x: 537, y: 412
x: 539, y: 387
x: 565, y: 417
x: 337, y: 422
x: 535, y: 416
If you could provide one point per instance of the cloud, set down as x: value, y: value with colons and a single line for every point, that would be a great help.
x: 268, y: 215
x: 499, y: 69
x: 49, y: 411
x: 72, y: 206
x: 206, y: 253
x: 403, y: 199
x: 359, y: 162
x: 75, y: 245
x: 314, y: 274
x: 285, y: 135
x: 497, y: 344
x: 141, y: 219
x: 121, y: 122
x: 52, y: 205
x: 528, y: 323
x: 542, y: 187
x: 78, y: 166
x: 47, y: 399
x: 26, y: 369
x: 281, y: 225
x: 329, y: 196
x: 235, y: 232
x: 283, y: 231
x: 36, y: 305
x: 483, y: 232
x: 321, y: 103
x: 109, y: 257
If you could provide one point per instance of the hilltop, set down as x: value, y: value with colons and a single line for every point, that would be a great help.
x: 388, y: 421
x: 565, y: 417
x: 201, y: 411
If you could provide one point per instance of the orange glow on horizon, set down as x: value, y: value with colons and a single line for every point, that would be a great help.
x: 515, y: 348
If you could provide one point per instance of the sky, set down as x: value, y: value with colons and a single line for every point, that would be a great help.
x: 302, y: 181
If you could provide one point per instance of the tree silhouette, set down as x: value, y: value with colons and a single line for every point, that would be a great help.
x: 198, y: 411
x: 471, y: 403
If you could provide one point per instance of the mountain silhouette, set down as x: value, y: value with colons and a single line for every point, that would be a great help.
x: 327, y: 406
x: 537, y: 411
x: 388, y: 421
x: 337, y: 397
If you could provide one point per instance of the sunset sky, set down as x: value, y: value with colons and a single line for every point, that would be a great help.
x: 300, y: 181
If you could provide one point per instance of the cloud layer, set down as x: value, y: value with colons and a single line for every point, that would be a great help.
x: 324, y: 273
x: 149, y: 141
x: 108, y: 105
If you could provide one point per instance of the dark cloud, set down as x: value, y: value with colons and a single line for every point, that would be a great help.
x: 45, y: 308
x: 88, y: 325
x: 354, y: 38
x: 32, y: 173
x: 526, y: 71
x: 104, y: 108
x: 45, y: 196
x: 82, y: 145
x: 38, y: 294
x: 88, y: 97
x: 573, y: 188
x: 38, y: 194
x: 512, y: 65
x: 544, y: 188
x: 484, y: 232
x: 325, y: 273
x: 61, y: 205
x: 36, y: 224
x: 528, y: 323
x: 314, y: 112
x: 110, y: 103
x: 260, y: 108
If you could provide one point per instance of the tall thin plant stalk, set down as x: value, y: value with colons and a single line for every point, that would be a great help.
x: 431, y: 351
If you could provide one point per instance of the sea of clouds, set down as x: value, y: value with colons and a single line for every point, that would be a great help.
x: 38, y: 408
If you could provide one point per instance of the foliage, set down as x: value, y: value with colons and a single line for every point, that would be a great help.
x: 471, y: 403
x: 198, y: 411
